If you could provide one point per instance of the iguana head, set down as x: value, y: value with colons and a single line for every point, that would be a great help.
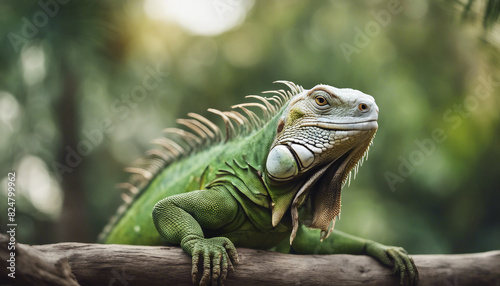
x: 322, y: 135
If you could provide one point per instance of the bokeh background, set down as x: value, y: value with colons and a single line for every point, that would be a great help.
x: 86, y: 85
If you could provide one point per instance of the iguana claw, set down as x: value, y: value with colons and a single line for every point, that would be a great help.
x: 218, y: 256
x: 397, y: 258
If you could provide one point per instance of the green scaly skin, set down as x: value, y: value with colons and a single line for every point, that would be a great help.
x: 241, y: 194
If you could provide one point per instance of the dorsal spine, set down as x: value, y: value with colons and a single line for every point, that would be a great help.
x: 200, y: 133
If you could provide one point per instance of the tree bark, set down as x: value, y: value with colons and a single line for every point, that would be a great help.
x: 32, y: 267
x: 95, y: 264
x: 73, y: 224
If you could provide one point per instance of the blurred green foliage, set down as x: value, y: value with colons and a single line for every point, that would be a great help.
x: 120, y: 70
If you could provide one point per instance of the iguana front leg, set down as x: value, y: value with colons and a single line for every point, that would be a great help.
x: 180, y: 220
x: 307, y: 242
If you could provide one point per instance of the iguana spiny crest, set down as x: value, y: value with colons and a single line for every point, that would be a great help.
x: 200, y: 133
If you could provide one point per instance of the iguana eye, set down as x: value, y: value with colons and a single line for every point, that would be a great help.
x: 363, y: 107
x: 321, y: 100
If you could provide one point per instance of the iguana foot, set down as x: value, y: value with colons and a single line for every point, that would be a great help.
x: 397, y: 258
x: 218, y: 255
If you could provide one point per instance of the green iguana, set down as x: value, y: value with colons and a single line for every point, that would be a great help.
x: 266, y: 181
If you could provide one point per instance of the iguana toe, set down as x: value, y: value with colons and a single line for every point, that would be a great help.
x: 216, y: 268
x: 224, y: 270
x: 231, y: 251
x: 205, y: 278
x: 194, y: 268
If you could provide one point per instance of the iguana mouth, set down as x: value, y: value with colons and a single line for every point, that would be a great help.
x: 351, y: 126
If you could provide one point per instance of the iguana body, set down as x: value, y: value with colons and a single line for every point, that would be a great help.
x: 260, y: 187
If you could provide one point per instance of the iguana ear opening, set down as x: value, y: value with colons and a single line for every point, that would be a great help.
x: 281, y: 124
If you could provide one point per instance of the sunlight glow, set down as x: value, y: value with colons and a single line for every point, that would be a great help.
x: 9, y: 109
x: 39, y: 187
x: 33, y: 62
x: 200, y: 16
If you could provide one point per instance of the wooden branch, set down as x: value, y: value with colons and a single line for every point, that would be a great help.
x: 95, y: 264
x: 32, y: 267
